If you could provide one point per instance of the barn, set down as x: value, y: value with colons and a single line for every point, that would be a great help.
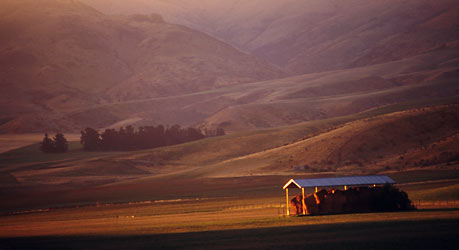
x: 358, y: 194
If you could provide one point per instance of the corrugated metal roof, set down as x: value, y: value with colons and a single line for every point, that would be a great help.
x: 340, y: 181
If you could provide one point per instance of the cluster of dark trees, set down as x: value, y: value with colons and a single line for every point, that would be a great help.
x: 58, y: 144
x: 216, y: 132
x: 142, y: 138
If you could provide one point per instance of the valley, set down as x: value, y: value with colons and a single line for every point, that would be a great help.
x: 375, y: 142
x: 302, y: 89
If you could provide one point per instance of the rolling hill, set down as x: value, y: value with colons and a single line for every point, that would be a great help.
x: 400, y: 141
x: 378, y: 141
x: 372, y: 137
x: 60, y: 55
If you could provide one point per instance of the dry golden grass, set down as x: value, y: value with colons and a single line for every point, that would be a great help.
x: 381, y: 143
x: 183, y: 216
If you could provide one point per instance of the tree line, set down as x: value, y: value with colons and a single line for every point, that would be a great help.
x: 128, y: 138
x: 58, y: 144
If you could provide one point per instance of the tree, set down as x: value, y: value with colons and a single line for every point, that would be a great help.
x: 130, y: 141
x: 220, y: 132
x: 193, y: 134
x: 121, y: 145
x: 47, y: 145
x: 90, y: 139
x: 129, y: 138
x: 56, y: 145
x: 217, y: 132
x: 60, y: 143
x: 173, y: 135
x: 109, y: 140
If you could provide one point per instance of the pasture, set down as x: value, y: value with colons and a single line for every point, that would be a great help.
x: 180, y: 197
x: 225, y: 224
x: 425, y: 234
x: 231, y: 219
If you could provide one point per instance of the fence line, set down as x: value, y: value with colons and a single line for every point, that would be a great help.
x: 419, y: 204
x: 256, y: 206
x: 426, y: 204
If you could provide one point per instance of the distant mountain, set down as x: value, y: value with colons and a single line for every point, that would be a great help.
x: 305, y: 36
x: 422, y: 79
x: 65, y: 65
x: 57, y: 56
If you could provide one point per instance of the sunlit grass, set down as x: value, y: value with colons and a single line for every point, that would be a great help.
x: 450, y: 192
x: 185, y: 217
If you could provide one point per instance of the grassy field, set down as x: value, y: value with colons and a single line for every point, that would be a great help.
x: 225, y: 224
x: 450, y: 192
x: 234, y: 219
x: 425, y: 234
x: 141, y: 219
x: 234, y: 216
x: 169, y: 198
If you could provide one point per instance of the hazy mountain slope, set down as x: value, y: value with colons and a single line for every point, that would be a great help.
x: 58, y: 55
x: 87, y: 69
x: 172, y: 60
x: 51, y: 53
x: 272, y: 103
x: 307, y: 97
x: 314, y: 35
x: 290, y: 111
